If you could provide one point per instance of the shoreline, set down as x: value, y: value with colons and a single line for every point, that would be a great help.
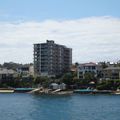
x: 56, y: 92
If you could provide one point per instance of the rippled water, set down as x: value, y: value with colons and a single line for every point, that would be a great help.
x: 75, y: 107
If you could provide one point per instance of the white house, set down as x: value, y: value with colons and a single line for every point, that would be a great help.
x: 87, y: 67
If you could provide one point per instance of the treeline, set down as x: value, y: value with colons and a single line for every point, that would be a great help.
x: 69, y: 79
x: 107, y: 64
x: 13, y: 66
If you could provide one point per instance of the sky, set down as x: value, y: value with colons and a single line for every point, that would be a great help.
x: 90, y: 27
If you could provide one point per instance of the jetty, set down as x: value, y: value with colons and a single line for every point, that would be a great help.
x: 90, y: 91
x: 45, y: 91
x: 6, y: 90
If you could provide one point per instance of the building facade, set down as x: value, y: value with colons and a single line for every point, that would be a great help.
x: 6, y: 75
x: 87, y: 68
x: 51, y: 59
x: 111, y: 73
x: 26, y: 71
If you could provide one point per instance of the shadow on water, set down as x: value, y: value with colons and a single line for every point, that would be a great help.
x: 37, y: 96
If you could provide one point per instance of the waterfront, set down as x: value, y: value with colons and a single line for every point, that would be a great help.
x: 76, y: 107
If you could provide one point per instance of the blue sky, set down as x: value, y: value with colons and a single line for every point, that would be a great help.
x: 57, y: 9
x: 90, y: 27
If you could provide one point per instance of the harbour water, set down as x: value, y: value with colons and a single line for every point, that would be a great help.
x: 21, y: 106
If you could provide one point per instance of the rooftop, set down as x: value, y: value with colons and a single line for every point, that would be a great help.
x: 112, y: 68
x: 88, y: 64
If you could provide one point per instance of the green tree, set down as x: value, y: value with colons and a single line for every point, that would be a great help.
x: 67, y: 79
x: 88, y: 76
x: 44, y: 81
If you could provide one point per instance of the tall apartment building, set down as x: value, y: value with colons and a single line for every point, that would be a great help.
x: 51, y: 59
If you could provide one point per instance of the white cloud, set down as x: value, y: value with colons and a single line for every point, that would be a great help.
x: 92, y: 39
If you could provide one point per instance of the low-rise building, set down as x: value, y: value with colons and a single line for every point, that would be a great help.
x: 73, y: 69
x: 110, y: 73
x: 6, y: 74
x: 87, y: 68
x: 55, y: 86
x: 25, y: 71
